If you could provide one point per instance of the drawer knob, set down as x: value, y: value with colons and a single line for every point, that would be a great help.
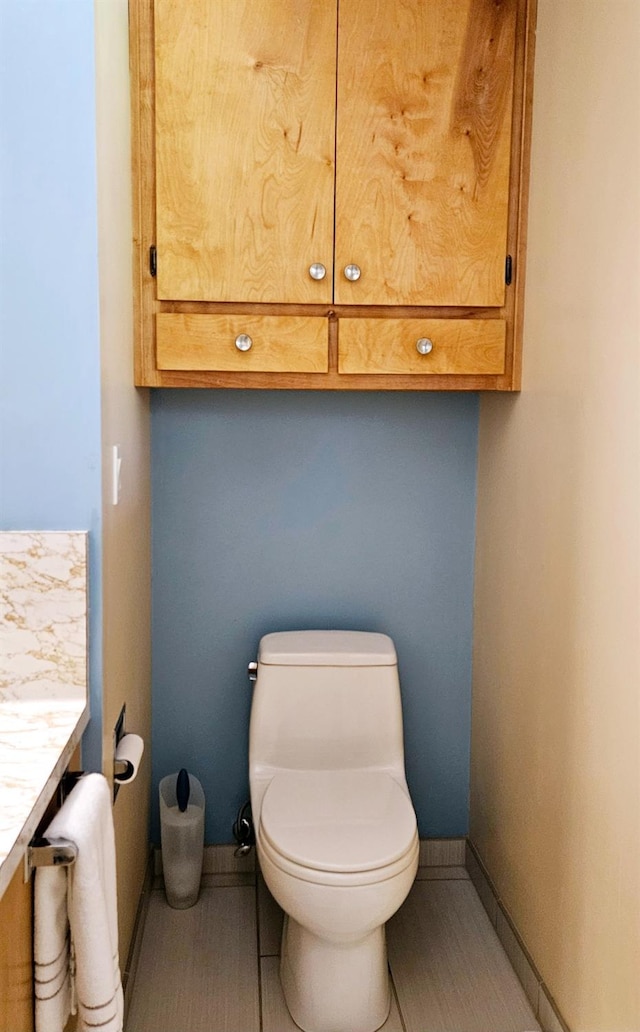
x: 317, y: 271
x: 424, y: 345
x: 352, y: 272
x: 243, y: 342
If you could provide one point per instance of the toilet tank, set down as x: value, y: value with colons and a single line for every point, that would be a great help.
x: 326, y: 700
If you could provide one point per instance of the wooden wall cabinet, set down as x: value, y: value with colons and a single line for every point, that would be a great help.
x: 323, y: 187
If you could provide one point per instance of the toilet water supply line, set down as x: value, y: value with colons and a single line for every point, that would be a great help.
x: 243, y: 830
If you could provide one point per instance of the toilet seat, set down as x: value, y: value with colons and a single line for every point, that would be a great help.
x: 347, y: 827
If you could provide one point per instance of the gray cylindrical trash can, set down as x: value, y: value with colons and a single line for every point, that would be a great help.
x: 182, y: 839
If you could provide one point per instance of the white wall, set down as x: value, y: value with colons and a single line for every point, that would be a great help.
x: 126, y: 528
x: 49, y: 362
x: 555, y: 807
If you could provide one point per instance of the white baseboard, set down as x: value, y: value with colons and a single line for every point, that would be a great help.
x: 221, y: 859
x: 543, y: 1004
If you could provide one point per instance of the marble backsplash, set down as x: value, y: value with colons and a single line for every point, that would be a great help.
x: 43, y: 676
x: 43, y: 615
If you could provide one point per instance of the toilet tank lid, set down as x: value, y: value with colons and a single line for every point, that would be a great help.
x: 326, y: 648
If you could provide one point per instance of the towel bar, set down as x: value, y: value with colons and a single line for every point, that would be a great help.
x: 69, y: 780
x: 43, y: 852
x: 51, y: 853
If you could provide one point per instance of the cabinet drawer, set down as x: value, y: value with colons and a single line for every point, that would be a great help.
x: 276, y: 344
x: 471, y: 346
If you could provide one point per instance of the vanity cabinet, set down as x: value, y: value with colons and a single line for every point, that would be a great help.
x: 17, y: 1004
x: 318, y: 183
x: 16, y: 956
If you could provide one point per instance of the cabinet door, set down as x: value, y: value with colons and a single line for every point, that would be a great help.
x: 245, y: 139
x: 423, y: 150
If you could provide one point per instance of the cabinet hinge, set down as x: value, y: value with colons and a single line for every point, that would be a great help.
x: 153, y: 260
x: 508, y: 270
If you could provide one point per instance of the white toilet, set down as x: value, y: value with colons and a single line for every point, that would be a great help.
x: 336, y: 833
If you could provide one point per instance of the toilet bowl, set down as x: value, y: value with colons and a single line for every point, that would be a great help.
x: 336, y: 833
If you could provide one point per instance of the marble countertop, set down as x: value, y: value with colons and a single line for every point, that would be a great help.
x: 43, y: 677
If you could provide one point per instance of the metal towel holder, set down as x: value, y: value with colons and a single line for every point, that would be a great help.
x: 44, y: 852
x: 51, y: 853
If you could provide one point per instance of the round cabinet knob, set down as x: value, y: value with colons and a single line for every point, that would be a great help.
x: 424, y: 345
x: 352, y: 272
x: 317, y: 271
x: 243, y: 342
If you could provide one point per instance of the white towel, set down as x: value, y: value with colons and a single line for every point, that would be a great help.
x: 85, y: 819
x: 51, y: 949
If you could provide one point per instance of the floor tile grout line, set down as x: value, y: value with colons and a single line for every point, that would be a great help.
x: 396, y: 997
x: 137, y: 936
x: 261, y: 924
x: 258, y: 953
x: 426, y: 886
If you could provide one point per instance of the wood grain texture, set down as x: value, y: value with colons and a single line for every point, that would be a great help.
x: 245, y: 98
x: 388, y: 346
x: 521, y: 162
x: 141, y: 64
x: 16, y: 951
x: 280, y: 343
x: 423, y: 150
x: 146, y: 372
x: 331, y: 381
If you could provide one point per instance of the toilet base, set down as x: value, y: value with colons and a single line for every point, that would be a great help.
x: 335, y: 987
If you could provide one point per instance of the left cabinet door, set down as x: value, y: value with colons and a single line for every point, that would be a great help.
x: 245, y: 130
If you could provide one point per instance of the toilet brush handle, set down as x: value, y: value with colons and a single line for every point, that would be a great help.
x: 183, y: 790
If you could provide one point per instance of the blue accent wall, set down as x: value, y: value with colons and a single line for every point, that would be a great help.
x: 289, y: 510
x: 271, y: 510
x: 50, y: 452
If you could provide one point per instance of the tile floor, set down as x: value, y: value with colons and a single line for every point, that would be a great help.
x: 214, y: 967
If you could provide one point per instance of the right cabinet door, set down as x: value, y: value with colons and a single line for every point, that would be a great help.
x: 424, y: 101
